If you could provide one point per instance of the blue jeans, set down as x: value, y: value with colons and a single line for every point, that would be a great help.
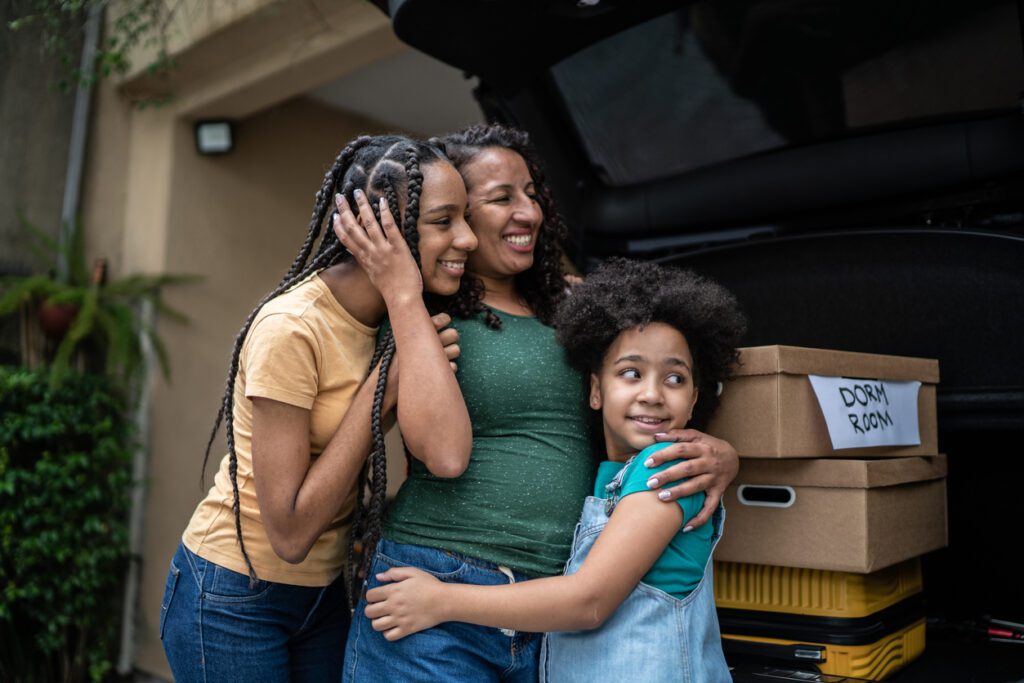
x: 215, y: 628
x: 451, y: 651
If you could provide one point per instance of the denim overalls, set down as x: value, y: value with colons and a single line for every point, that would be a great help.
x: 652, y: 636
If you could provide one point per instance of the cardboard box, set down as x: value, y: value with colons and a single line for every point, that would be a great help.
x: 769, y: 409
x: 842, y: 515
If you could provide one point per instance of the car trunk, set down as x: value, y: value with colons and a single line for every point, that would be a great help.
x: 852, y: 171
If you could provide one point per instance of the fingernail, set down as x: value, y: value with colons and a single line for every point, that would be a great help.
x: 338, y: 199
x: 383, y: 203
x: 652, y: 483
x: 687, y: 529
x: 649, y: 462
x: 358, y: 192
x: 664, y: 495
x: 657, y: 434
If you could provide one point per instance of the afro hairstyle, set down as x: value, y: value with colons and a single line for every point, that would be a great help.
x: 622, y: 294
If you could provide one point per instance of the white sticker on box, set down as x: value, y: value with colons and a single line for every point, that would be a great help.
x: 868, y: 412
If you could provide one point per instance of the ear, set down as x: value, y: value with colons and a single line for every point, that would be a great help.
x: 595, y: 392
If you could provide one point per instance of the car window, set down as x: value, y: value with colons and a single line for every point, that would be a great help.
x: 721, y: 80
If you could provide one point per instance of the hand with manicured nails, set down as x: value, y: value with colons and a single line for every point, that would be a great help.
x: 408, y: 605
x: 379, y: 248
x: 449, y: 337
x: 709, y: 465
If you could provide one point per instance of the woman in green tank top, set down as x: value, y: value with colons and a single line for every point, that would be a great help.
x: 510, y: 516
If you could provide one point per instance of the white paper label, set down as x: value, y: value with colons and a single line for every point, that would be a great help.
x: 868, y: 412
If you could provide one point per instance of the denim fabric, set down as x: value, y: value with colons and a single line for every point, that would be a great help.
x: 651, y: 637
x: 451, y: 651
x: 215, y: 628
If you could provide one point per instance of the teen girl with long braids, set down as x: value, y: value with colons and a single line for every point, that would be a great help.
x: 256, y: 590
x: 510, y: 516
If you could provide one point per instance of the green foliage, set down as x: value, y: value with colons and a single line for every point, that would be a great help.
x: 107, y: 322
x: 65, y: 459
x: 137, y: 22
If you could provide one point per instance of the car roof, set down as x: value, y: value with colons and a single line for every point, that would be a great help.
x: 667, y: 124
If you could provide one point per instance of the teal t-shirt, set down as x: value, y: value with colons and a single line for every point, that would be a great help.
x: 681, y: 567
x: 531, y: 467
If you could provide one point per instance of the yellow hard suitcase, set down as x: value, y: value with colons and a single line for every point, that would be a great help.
x: 862, y: 625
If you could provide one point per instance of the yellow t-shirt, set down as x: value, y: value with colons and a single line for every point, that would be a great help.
x: 305, y: 350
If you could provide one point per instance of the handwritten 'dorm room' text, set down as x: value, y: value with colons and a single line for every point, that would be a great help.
x: 870, y: 404
x: 864, y: 412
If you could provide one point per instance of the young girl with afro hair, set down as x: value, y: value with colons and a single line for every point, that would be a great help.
x: 636, y: 601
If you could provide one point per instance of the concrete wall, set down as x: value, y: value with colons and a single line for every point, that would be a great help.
x: 235, y: 62
x: 35, y: 126
x: 35, y: 129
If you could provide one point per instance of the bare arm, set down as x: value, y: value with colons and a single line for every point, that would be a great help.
x: 635, y: 537
x: 709, y: 465
x: 431, y: 412
x: 299, y: 496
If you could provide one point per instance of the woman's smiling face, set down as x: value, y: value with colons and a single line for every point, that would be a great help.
x: 504, y: 212
x: 445, y: 237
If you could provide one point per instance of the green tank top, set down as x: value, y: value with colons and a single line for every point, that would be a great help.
x: 517, y: 503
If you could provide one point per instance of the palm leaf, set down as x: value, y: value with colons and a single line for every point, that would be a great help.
x: 124, y: 340
x: 117, y: 323
x: 172, y: 313
x: 131, y: 286
x: 84, y: 324
x: 20, y: 291
x: 44, y: 248
x: 160, y: 350
x: 107, y: 315
x: 74, y: 295
x: 48, y: 250
x: 106, y: 323
x: 147, y: 285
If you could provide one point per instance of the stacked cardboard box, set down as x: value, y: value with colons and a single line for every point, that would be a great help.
x: 832, y: 493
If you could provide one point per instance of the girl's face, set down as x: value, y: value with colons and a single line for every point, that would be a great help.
x: 445, y: 237
x: 504, y: 212
x: 645, y: 386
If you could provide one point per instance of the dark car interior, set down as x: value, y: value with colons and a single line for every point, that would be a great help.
x: 854, y: 172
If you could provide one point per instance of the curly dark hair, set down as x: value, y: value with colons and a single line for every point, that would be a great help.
x: 622, y: 294
x: 543, y: 284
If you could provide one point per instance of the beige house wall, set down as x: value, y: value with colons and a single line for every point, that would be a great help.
x: 249, y: 54
x: 152, y: 204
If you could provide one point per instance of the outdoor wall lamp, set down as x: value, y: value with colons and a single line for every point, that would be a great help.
x: 215, y: 136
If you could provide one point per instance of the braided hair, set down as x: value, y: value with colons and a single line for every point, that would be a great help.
x: 543, y: 284
x: 382, y: 166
